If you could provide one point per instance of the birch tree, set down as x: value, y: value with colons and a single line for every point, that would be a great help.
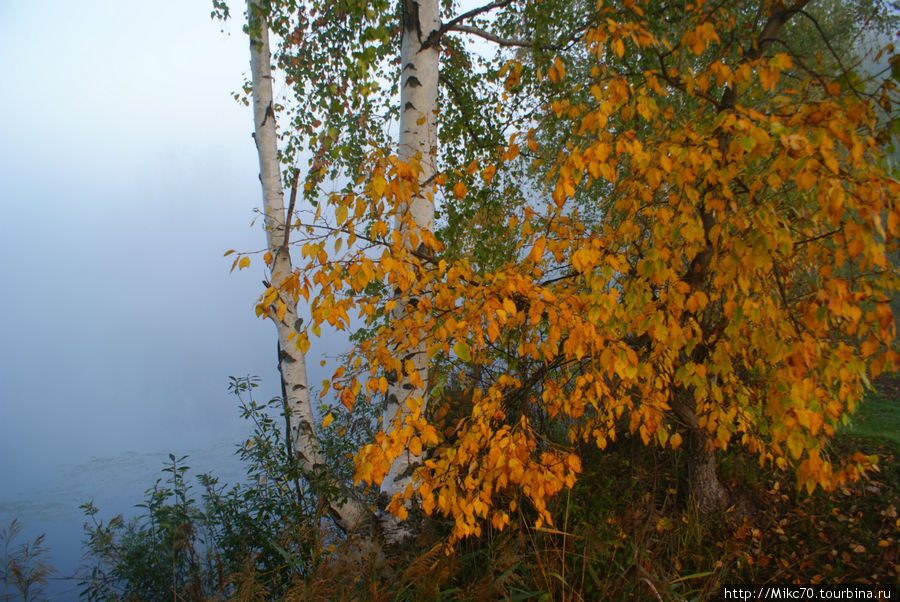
x: 417, y: 148
x: 280, y: 306
x: 328, y: 86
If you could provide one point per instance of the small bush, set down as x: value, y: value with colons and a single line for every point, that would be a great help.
x: 250, y: 540
x: 23, y: 568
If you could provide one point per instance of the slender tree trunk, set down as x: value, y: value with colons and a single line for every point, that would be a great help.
x: 417, y: 145
x: 291, y: 361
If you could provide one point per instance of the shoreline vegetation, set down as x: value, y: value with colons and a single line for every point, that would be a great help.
x: 624, y: 530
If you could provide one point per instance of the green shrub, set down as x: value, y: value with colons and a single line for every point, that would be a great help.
x: 250, y: 539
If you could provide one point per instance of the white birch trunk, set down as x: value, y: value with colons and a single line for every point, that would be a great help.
x: 418, y: 142
x: 349, y: 514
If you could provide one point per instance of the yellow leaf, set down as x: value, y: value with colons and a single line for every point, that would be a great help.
x: 459, y: 190
x: 893, y: 220
x: 666, y: 163
x: 560, y: 68
x: 768, y: 78
x: 244, y: 263
x: 378, y: 185
x: 781, y: 61
x: 268, y: 258
x: 270, y: 295
x: 303, y: 343
x: 327, y: 420
x: 341, y: 214
x: 806, y: 179
x: 795, y: 444
x: 697, y: 301
x: 537, y: 251
x: 347, y: 399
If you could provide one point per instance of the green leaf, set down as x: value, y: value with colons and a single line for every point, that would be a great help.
x: 461, y: 349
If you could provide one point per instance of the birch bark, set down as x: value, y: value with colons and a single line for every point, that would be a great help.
x: 417, y: 147
x: 348, y: 514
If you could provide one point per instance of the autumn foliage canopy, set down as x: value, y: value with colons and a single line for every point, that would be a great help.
x: 687, y: 235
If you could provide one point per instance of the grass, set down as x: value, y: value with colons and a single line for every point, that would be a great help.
x: 878, y: 417
x: 626, y: 531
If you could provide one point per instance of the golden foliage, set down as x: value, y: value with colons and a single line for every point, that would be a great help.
x: 736, y: 284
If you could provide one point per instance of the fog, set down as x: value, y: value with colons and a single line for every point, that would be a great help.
x: 126, y: 170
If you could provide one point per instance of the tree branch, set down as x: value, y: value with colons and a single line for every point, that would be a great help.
x: 831, y: 49
x: 467, y: 122
x: 434, y: 38
x: 290, y: 211
x: 475, y: 31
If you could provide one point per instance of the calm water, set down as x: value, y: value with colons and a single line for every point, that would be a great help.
x: 115, y: 484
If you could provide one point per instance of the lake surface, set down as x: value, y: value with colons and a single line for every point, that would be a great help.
x: 115, y: 483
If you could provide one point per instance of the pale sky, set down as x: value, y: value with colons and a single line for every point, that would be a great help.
x: 126, y: 170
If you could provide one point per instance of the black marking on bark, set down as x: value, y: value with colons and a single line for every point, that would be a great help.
x: 410, y: 18
x: 423, y: 251
x: 413, y: 82
x: 409, y: 106
x: 269, y: 111
x: 409, y: 66
x: 298, y: 387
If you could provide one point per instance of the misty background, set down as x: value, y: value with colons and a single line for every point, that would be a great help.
x: 126, y: 170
